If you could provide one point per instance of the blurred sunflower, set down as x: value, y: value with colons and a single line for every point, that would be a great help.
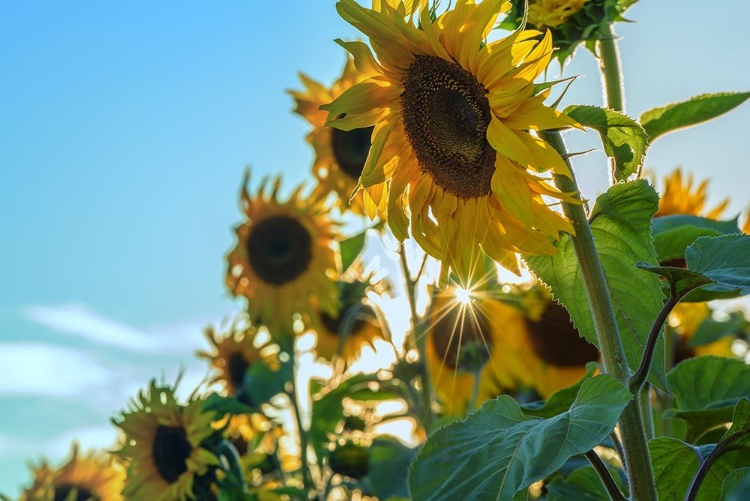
x: 339, y: 155
x: 356, y: 320
x: 163, y: 445
x: 538, y: 336
x: 461, y: 345
x: 232, y: 355
x: 83, y: 477
x: 284, y: 259
x: 452, y: 146
x: 679, y: 197
x: 552, y: 13
x: 685, y: 320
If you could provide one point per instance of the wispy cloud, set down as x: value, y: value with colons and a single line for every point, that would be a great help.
x: 44, y: 370
x: 82, y: 321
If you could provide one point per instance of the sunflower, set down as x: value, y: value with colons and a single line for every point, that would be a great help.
x: 452, y: 147
x: 164, y: 445
x: 538, y: 335
x: 462, y: 344
x: 679, y: 197
x: 552, y: 13
x: 284, y: 259
x: 232, y: 355
x: 339, y: 155
x: 685, y: 320
x: 91, y: 477
x: 355, y: 315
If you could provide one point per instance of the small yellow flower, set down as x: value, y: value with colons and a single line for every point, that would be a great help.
x: 286, y: 259
x: 91, y: 476
x: 233, y: 354
x: 453, y: 155
x: 163, y: 445
x: 679, y: 197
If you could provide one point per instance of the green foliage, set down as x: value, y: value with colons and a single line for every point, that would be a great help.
x: 624, y: 140
x: 498, y: 450
x: 705, y: 390
x: 263, y: 382
x: 665, y: 119
x: 389, y: 465
x: 725, y: 260
x: 351, y: 249
x: 711, y: 330
x: 559, y: 401
x: 680, y: 468
x: 582, y: 484
x: 673, y: 234
x: 683, y: 281
x: 736, y: 486
x: 621, y: 224
x: 226, y: 405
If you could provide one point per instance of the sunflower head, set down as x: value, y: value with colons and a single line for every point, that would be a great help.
x: 679, y: 197
x: 454, y: 155
x: 165, y: 446
x: 339, y: 155
x: 570, y: 21
x: 233, y: 353
x: 88, y: 477
x: 286, y: 258
x: 355, y: 324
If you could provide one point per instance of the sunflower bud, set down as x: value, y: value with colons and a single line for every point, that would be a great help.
x: 350, y: 460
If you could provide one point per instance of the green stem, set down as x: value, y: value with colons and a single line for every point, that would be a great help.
x: 294, y: 397
x: 419, y: 339
x: 648, y: 351
x: 609, y: 67
x: 606, y: 477
x: 637, y: 461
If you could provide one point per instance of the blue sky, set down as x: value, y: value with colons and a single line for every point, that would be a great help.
x: 124, y: 132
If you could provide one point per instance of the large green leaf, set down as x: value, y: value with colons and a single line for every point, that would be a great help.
x: 621, y: 224
x: 680, y: 467
x: 583, y: 484
x: 725, y: 260
x: 705, y: 390
x: 674, y: 465
x: 736, y: 486
x: 499, y: 451
x: 662, y: 120
x: 351, y: 249
x: 673, y: 234
x: 560, y: 400
x: 624, y: 140
x: 683, y: 281
x: 389, y: 465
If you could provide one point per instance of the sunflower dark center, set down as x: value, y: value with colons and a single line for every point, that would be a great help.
x: 556, y: 341
x: 279, y: 249
x: 350, y: 149
x: 237, y: 367
x: 82, y: 494
x: 333, y: 325
x: 170, y: 451
x: 446, y: 113
x: 459, y: 336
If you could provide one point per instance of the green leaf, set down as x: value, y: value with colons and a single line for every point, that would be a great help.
x: 262, y: 382
x: 674, y: 464
x: 725, y: 260
x: 705, y: 390
x: 673, y: 234
x: 624, y: 140
x: 351, y: 248
x: 660, y: 121
x: 736, y: 486
x: 498, y: 451
x: 711, y: 330
x: 583, y: 484
x: 561, y: 400
x: 684, y: 280
x: 389, y: 465
x: 226, y: 405
x: 621, y: 224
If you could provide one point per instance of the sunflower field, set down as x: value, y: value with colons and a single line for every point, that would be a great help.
x: 439, y: 313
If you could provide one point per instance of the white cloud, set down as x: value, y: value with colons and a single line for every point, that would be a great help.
x: 44, y: 370
x: 82, y: 321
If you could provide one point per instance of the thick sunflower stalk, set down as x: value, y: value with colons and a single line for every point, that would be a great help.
x: 600, y: 371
